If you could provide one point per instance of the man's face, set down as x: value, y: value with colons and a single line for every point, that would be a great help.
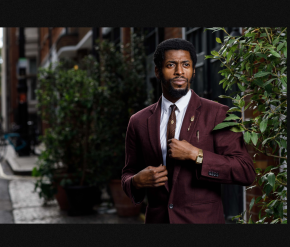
x: 177, y: 73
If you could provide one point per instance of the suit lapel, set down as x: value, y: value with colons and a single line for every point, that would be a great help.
x: 154, y: 130
x: 185, y: 134
x: 154, y: 133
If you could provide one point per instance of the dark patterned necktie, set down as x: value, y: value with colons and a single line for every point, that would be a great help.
x: 171, y: 126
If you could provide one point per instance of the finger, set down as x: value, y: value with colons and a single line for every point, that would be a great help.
x: 159, y: 169
x: 160, y: 174
x: 158, y: 185
x: 161, y: 180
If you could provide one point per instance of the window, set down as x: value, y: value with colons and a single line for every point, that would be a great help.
x: 196, y: 36
x: 31, y: 78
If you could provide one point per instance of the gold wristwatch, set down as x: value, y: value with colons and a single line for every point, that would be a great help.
x: 199, y: 158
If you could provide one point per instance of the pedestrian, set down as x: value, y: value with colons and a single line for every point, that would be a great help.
x: 173, y: 155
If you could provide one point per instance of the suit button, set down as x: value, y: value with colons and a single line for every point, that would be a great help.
x: 209, y: 173
x: 171, y: 206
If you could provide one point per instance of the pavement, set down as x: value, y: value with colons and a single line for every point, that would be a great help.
x: 20, y: 205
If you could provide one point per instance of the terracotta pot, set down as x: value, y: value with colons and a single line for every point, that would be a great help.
x: 61, y: 198
x: 123, y: 204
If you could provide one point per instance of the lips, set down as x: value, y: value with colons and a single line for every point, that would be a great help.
x: 179, y: 81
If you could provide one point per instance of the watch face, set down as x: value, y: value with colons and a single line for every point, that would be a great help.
x: 198, y: 160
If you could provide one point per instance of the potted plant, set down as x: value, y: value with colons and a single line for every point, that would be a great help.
x: 69, y: 98
x: 123, y: 75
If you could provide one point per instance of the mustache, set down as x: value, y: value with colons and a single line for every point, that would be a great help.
x: 176, y: 78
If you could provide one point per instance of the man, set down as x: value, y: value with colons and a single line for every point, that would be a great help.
x: 172, y: 152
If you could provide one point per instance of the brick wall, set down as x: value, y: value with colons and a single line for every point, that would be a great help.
x: 13, y: 59
x: 172, y: 32
x: 44, y: 40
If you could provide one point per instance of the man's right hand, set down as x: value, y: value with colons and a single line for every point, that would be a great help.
x: 150, y: 177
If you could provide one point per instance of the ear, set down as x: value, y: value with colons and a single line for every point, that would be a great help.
x: 157, y: 73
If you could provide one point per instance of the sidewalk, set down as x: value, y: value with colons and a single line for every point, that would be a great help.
x: 19, y: 204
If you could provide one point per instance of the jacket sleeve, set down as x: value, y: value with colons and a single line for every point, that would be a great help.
x: 231, y: 162
x: 133, y: 164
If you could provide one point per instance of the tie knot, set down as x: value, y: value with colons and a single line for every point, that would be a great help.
x: 173, y: 107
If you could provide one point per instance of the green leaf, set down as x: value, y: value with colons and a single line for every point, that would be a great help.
x: 247, y: 106
x: 242, y: 88
x: 261, y: 55
x: 231, y: 117
x: 280, y: 46
x: 242, y: 103
x: 35, y: 172
x: 267, y: 82
x: 237, y: 129
x: 247, y: 137
x: 283, y: 143
x: 208, y: 56
x: 284, y: 222
x: 268, y: 188
x: 280, y: 210
x: 252, y: 203
x: 229, y: 56
x: 258, y: 199
x: 263, y: 143
x: 276, y: 41
x: 215, y: 53
x: 269, y: 88
x: 284, y: 50
x: 218, y: 40
x: 259, y: 82
x: 224, y: 125
x: 263, y: 125
x: 225, y: 97
x: 261, y: 74
x: 233, y: 109
x: 268, y: 169
x: 254, y: 138
x: 271, y: 179
x: 231, y: 41
x: 282, y: 70
x: 274, y: 53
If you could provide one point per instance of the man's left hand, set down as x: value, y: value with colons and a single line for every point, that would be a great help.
x: 181, y: 150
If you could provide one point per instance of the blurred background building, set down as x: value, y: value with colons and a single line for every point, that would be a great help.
x: 46, y: 45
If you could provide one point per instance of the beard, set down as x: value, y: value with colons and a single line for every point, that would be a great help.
x: 175, y: 93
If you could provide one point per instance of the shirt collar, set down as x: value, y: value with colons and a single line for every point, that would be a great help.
x: 181, y: 103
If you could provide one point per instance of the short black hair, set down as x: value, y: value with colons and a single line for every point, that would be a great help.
x: 173, y: 44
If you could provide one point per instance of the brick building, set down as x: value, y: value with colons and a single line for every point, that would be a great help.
x: 47, y: 45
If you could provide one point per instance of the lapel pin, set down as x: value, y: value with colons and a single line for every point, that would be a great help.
x: 191, y: 120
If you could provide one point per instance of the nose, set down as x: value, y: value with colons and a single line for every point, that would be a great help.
x: 179, y: 69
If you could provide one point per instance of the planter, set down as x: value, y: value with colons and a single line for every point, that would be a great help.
x: 123, y: 204
x: 61, y: 198
x: 82, y: 199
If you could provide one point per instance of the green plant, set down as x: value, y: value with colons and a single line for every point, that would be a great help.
x: 123, y: 76
x: 257, y: 63
x: 69, y: 99
x: 88, y: 107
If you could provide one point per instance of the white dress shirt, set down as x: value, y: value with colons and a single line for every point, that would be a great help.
x: 181, y: 104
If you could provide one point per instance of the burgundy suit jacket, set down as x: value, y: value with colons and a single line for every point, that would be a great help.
x: 196, y: 192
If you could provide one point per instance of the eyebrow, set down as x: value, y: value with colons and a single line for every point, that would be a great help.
x: 185, y: 61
